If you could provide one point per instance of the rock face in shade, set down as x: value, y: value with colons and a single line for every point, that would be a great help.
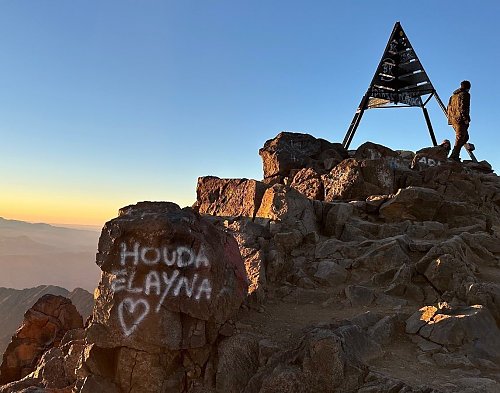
x: 229, y: 197
x: 43, y: 328
x: 335, y: 283
x: 292, y: 150
x: 470, y: 329
x: 412, y: 203
x: 170, y: 281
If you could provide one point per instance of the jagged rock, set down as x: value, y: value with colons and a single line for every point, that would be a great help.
x: 290, y: 150
x: 43, y: 327
x: 23, y: 386
x: 95, y: 383
x: 255, y: 269
x: 15, y: 302
x: 229, y: 197
x: 319, y: 262
x: 170, y: 280
x: 477, y: 385
x: 385, y: 255
x: 292, y: 209
x: 308, y: 182
x: 451, y: 360
x: 248, y: 233
x: 287, y: 241
x: 252, y: 239
x: 354, y: 179
x: 338, y: 214
x: 374, y: 202
x: 425, y: 345
x: 333, y: 156
x: 287, y: 151
x: 359, y: 295
x: 372, y: 151
x: 450, y: 266
x: 377, y: 382
x: 412, y: 203
x: 383, y: 331
x: 429, y: 157
x: 240, y: 355
x: 447, y: 273
x: 419, y: 319
x: 56, y: 371
x: 470, y: 328
x: 326, y: 361
x: 487, y: 294
x: 330, y: 273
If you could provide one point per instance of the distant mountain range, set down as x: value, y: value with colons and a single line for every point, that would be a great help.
x: 15, y: 302
x: 35, y: 254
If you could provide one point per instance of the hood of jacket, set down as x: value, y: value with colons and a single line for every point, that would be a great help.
x: 460, y: 89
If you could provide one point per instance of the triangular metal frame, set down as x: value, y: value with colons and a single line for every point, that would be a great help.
x: 400, y: 81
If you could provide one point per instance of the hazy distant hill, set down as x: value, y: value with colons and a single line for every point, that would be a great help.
x: 35, y: 254
x: 14, y: 303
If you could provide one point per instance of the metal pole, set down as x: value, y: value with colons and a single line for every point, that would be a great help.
x: 429, y: 125
x: 352, y: 128
x: 441, y: 104
x: 355, y: 121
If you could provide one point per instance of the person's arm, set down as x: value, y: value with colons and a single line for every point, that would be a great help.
x: 467, y: 107
x: 464, y: 107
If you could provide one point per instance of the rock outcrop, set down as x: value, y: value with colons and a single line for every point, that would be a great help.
x: 43, y: 328
x: 229, y: 197
x: 364, y: 274
x: 170, y: 284
x: 15, y: 302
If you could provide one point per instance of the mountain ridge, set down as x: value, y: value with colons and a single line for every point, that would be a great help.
x: 15, y: 302
x: 32, y: 254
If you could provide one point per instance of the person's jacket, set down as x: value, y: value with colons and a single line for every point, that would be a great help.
x: 459, y: 107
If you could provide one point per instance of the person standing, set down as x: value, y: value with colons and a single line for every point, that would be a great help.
x: 458, y: 117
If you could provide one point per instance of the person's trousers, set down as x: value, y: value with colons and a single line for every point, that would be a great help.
x: 461, y: 138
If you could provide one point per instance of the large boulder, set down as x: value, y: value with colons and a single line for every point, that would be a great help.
x: 487, y: 294
x: 43, y: 328
x: 464, y: 328
x: 338, y: 214
x: 324, y: 360
x: 229, y: 197
x: 287, y: 151
x: 448, y: 273
x: 412, y: 203
x: 289, y: 207
x: 291, y: 150
x: 355, y: 179
x: 451, y: 266
x: 430, y: 157
x: 308, y: 182
x: 371, y: 151
x: 170, y: 281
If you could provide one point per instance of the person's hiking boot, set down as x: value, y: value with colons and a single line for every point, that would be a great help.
x: 455, y: 154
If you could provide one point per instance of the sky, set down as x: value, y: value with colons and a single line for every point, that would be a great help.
x: 107, y: 103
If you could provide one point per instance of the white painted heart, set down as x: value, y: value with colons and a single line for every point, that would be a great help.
x: 130, y: 306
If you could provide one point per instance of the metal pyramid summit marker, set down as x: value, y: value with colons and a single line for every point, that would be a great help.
x: 399, y: 81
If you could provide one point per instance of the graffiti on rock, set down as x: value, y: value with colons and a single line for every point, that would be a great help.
x: 164, y: 272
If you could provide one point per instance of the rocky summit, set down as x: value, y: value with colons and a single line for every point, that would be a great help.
x: 373, y: 270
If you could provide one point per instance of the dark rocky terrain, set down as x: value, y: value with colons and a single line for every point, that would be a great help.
x: 15, y: 302
x: 366, y: 272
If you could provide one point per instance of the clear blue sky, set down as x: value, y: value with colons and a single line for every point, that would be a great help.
x: 105, y: 103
